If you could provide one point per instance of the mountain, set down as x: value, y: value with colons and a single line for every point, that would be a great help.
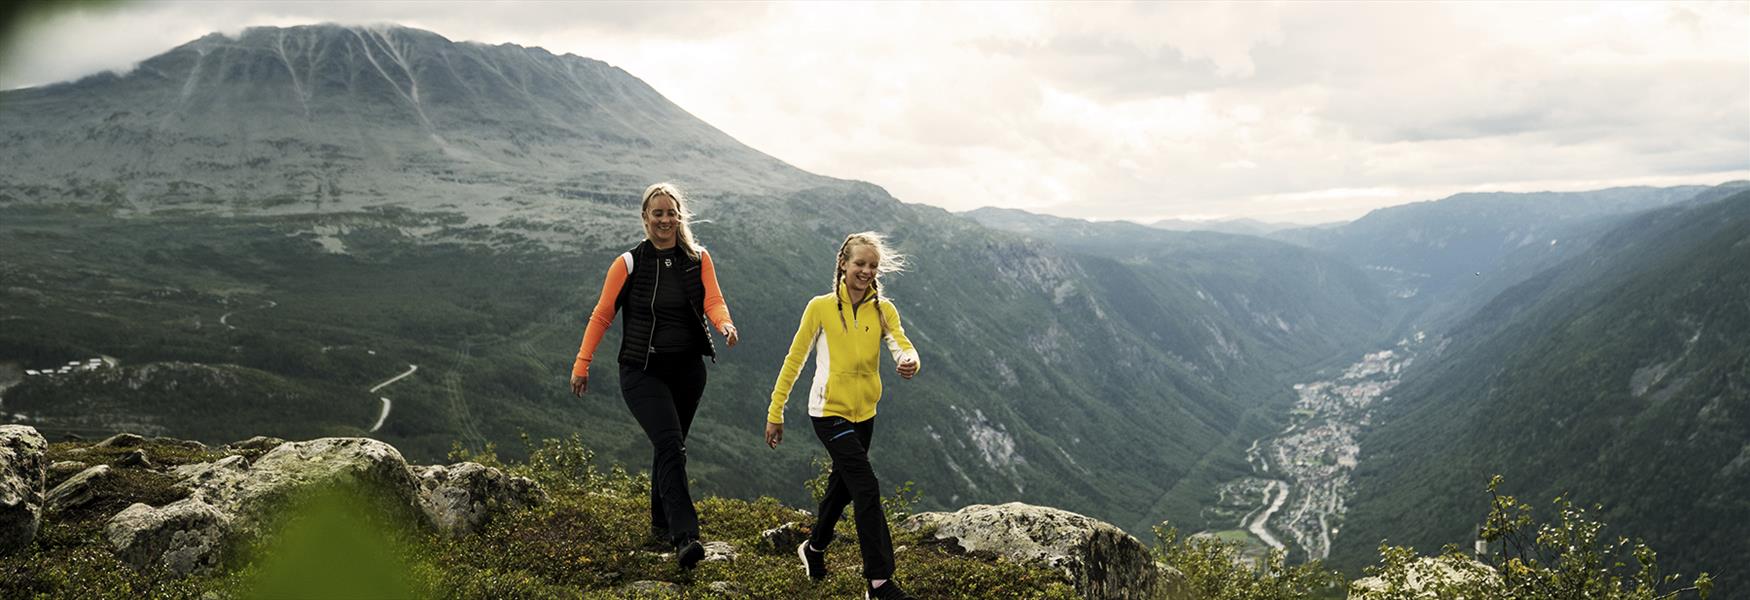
x: 1233, y: 226
x: 332, y: 230
x: 1442, y: 260
x: 1616, y: 377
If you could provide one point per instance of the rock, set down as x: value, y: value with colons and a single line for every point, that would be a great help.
x: 1424, y: 578
x: 62, y: 468
x: 183, y: 537
x: 782, y: 539
x: 719, y: 552
x: 189, y: 444
x: 725, y: 589
x: 121, y: 440
x: 78, y: 490
x: 232, y: 497
x: 260, y: 443
x: 136, y: 459
x: 22, y: 478
x: 1101, y: 560
x: 461, y: 498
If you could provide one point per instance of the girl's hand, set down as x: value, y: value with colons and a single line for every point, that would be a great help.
x: 728, y: 331
x: 907, y: 368
x: 774, y: 434
x: 579, y: 385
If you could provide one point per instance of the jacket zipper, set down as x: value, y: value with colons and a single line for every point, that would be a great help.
x: 650, y: 344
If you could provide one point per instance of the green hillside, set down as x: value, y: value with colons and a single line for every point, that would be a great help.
x: 1618, y: 377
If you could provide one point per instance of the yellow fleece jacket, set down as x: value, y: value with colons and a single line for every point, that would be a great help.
x: 847, y: 376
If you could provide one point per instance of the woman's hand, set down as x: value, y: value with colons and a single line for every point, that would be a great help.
x: 774, y: 434
x: 907, y: 368
x: 579, y: 385
x: 728, y: 331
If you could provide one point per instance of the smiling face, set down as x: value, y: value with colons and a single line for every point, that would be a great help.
x: 661, y: 220
x: 861, y: 264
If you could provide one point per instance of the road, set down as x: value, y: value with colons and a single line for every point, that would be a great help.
x: 387, y: 403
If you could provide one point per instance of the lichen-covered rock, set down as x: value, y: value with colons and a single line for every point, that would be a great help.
x: 782, y: 539
x: 461, y: 498
x: 183, y: 537
x: 77, y: 490
x: 260, y: 443
x: 1426, y: 577
x: 136, y: 459
x: 719, y: 552
x: 63, y: 468
x: 122, y: 440
x: 22, y: 477
x: 245, y: 496
x: 1103, y: 561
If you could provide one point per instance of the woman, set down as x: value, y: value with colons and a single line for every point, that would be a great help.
x: 668, y: 288
x: 845, y: 329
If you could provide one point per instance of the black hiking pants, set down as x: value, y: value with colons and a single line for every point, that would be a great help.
x: 663, y: 397
x: 853, y: 482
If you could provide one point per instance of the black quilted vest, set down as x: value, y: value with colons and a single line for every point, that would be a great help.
x: 639, y: 293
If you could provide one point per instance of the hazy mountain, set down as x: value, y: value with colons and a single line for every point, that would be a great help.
x: 298, y: 215
x: 1443, y: 259
x: 1233, y: 226
x: 1616, y: 377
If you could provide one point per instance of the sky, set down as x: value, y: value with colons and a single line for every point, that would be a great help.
x: 1299, y: 112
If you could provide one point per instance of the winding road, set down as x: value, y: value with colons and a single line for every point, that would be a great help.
x: 386, y: 402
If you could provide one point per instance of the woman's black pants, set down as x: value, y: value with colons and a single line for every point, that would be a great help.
x: 663, y: 397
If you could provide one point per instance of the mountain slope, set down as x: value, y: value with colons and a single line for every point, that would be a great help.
x: 1619, y: 376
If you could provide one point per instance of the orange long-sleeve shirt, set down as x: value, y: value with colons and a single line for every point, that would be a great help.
x: 603, y: 315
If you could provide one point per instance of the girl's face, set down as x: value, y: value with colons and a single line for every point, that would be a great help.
x: 861, y: 266
x: 661, y: 220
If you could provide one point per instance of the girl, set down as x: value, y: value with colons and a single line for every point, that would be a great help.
x: 668, y: 286
x: 846, y: 329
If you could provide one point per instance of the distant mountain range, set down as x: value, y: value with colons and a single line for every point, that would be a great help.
x: 259, y: 231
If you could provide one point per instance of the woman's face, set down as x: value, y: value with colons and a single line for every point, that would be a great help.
x: 861, y: 266
x: 661, y: 220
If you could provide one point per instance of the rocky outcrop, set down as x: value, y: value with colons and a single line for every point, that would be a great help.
x: 1101, y: 560
x: 460, y: 498
x: 1425, y: 577
x: 233, y: 497
x: 22, y: 473
x: 782, y: 539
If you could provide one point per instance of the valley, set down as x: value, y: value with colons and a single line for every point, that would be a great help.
x: 1301, y: 480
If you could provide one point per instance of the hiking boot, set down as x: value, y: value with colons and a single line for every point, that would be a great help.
x: 689, y: 554
x: 887, y: 591
x: 814, y: 563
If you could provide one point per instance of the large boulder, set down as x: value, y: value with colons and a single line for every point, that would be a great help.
x: 22, y: 477
x: 1103, y: 561
x: 461, y: 498
x: 233, y: 498
x: 182, y: 537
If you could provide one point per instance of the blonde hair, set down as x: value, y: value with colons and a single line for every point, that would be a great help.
x: 683, y: 233
x: 887, y: 259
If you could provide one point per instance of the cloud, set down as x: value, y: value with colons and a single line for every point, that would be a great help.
x: 1309, y: 111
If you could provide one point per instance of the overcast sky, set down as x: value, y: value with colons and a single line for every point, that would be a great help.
x: 1300, y: 112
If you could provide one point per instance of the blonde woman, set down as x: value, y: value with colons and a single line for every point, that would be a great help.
x: 846, y: 329
x: 666, y: 288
